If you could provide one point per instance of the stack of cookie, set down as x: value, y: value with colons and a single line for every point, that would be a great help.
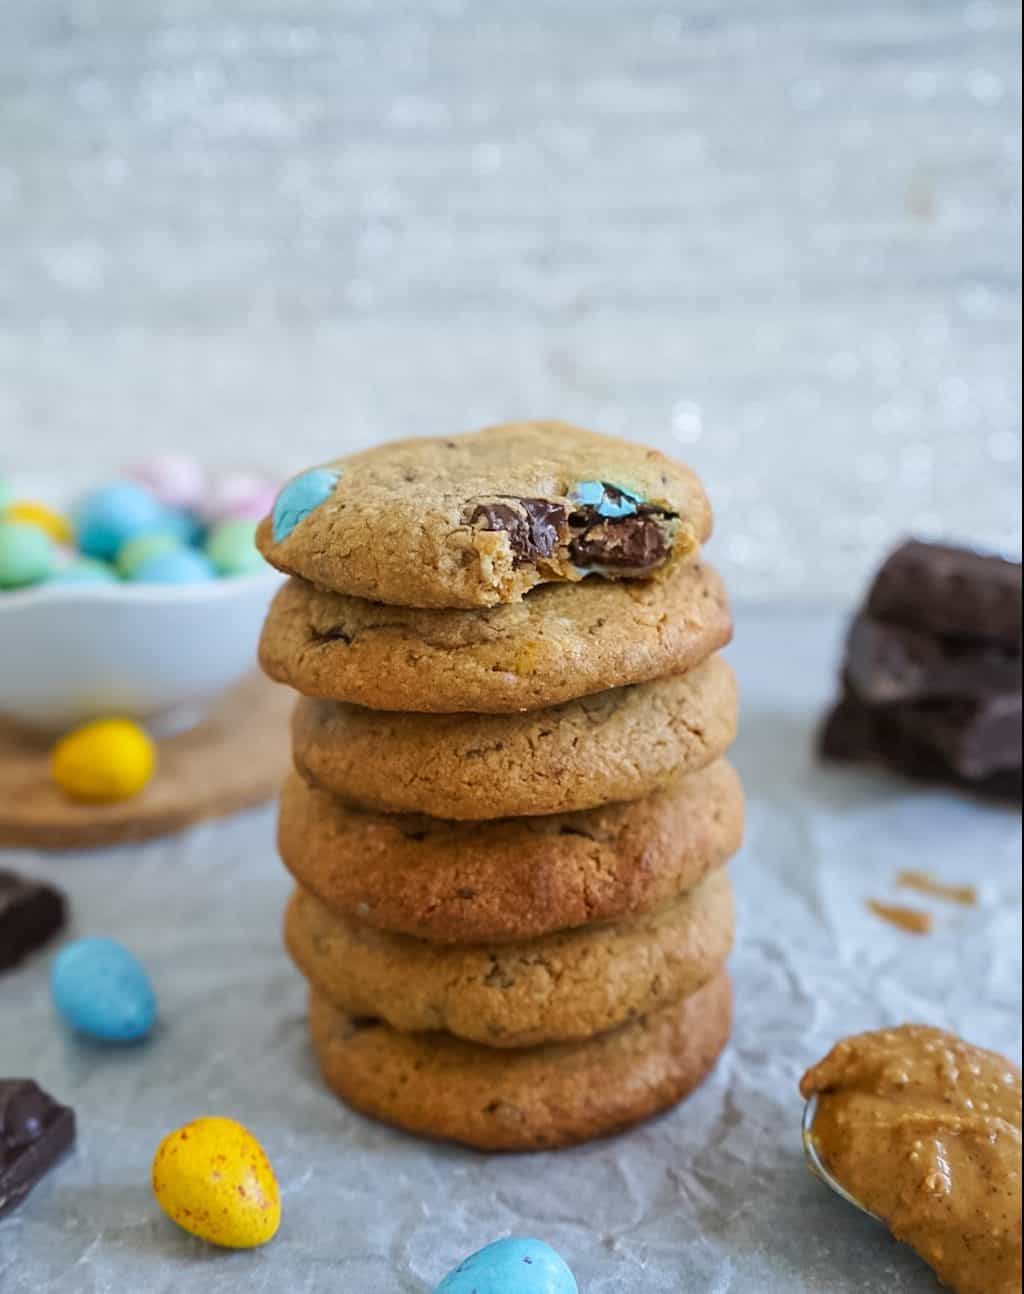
x: 510, y: 811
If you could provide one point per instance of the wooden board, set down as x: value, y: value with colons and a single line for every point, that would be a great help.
x: 236, y: 757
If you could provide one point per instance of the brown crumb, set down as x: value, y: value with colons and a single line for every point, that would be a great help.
x: 912, y: 920
x: 925, y: 883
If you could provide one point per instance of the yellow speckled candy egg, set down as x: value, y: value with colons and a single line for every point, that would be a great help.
x: 106, y: 760
x: 213, y: 1178
x: 38, y: 514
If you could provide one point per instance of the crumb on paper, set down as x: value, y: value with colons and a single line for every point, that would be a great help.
x: 926, y: 883
x: 912, y: 920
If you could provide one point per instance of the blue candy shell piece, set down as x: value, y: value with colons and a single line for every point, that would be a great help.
x: 615, y: 505
x: 114, y: 513
x: 178, y: 566
x: 517, y: 1265
x: 299, y: 497
x: 102, y: 991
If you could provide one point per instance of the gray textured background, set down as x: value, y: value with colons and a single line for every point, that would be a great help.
x: 779, y: 235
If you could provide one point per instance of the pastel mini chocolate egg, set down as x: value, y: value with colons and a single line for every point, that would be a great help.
x: 516, y: 1265
x: 186, y: 527
x: 84, y: 570
x: 102, y: 991
x: 27, y: 555
x: 175, y: 479
x: 32, y: 513
x: 299, y: 497
x: 238, y: 495
x: 109, y: 516
x: 103, y: 761
x: 213, y: 1178
x: 176, y: 566
x: 134, y: 552
x: 231, y: 547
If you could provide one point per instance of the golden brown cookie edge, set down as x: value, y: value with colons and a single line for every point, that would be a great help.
x: 442, y: 1088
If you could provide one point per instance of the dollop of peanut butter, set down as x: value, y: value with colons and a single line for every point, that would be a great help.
x: 924, y: 1130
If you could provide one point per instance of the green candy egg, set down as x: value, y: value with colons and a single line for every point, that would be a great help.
x: 133, y: 552
x: 85, y: 570
x: 231, y: 547
x: 26, y: 555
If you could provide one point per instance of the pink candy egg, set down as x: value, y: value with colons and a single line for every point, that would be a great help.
x: 238, y: 496
x: 175, y: 479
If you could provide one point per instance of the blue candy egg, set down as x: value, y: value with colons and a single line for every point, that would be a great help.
x: 113, y: 514
x: 184, y: 526
x: 607, y: 500
x: 102, y: 991
x: 517, y: 1265
x: 177, y: 566
x: 299, y: 497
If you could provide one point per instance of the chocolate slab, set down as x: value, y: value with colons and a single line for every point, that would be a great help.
x: 952, y: 592
x: 31, y: 913
x: 887, y: 663
x: 35, y: 1130
x: 918, y: 741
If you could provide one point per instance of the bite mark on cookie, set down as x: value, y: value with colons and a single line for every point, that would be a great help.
x: 605, y: 527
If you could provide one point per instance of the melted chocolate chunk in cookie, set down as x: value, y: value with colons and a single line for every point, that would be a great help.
x: 613, y: 528
x: 34, y: 1132
x: 533, y: 526
x: 637, y: 543
x: 608, y: 527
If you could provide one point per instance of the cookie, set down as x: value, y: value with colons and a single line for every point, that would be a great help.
x: 615, y: 745
x: 479, y: 519
x: 568, y: 985
x: 516, y: 878
x: 540, y: 1098
x: 561, y: 642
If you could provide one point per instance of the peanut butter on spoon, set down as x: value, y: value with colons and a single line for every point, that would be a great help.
x: 924, y: 1131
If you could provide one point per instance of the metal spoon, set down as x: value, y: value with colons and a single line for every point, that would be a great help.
x: 818, y: 1168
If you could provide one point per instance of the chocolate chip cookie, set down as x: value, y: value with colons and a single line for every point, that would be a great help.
x: 479, y: 519
x: 560, y: 642
x: 518, y: 878
x: 563, y: 986
x: 616, y: 745
x: 540, y: 1098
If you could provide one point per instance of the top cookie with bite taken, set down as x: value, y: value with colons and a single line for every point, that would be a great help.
x: 480, y: 519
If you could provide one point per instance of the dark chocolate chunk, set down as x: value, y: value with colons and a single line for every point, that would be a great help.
x: 533, y: 526
x: 637, y: 542
x: 34, y: 1132
x: 632, y: 543
x: 31, y: 912
x: 974, y: 738
x: 952, y: 592
x: 613, y: 528
x: 969, y: 746
x: 886, y: 663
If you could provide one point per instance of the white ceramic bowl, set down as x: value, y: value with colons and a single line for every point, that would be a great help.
x: 159, y: 653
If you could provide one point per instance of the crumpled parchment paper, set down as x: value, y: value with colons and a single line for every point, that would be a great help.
x: 713, y: 1197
